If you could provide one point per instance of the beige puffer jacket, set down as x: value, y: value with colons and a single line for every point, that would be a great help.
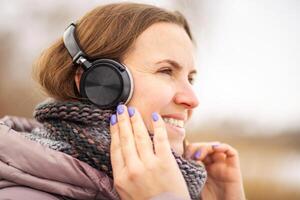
x: 30, y: 171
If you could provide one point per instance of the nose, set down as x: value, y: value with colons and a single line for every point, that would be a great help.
x: 186, y: 96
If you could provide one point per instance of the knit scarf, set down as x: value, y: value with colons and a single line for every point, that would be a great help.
x: 81, y: 130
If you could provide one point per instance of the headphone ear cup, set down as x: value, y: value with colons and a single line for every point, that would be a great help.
x: 106, y: 84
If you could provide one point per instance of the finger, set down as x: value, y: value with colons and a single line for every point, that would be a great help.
x: 227, y: 149
x: 117, y: 160
x: 204, y: 150
x: 207, y: 160
x: 191, y: 149
x: 218, y: 157
x: 126, y: 137
x: 160, y: 138
x: 142, y: 139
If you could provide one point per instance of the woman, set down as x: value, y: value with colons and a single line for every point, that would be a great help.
x: 66, y: 155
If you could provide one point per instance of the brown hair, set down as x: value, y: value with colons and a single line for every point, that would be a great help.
x: 105, y: 32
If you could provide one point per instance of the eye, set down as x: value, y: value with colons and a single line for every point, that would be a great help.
x: 192, y: 81
x: 168, y: 71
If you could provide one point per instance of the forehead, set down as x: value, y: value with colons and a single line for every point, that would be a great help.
x: 165, y: 41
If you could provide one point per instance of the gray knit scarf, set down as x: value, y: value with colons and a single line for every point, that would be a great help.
x: 81, y: 130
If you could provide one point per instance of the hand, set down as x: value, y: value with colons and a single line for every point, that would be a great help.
x: 223, y: 169
x: 138, y: 171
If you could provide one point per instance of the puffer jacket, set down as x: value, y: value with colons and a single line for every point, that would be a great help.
x: 30, y: 171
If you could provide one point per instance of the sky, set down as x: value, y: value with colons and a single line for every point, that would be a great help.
x: 248, y: 52
x: 249, y: 56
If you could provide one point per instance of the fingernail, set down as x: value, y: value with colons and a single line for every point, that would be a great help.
x: 131, y: 111
x: 155, y: 116
x: 113, y: 119
x: 197, y: 154
x: 215, y: 145
x: 120, y: 109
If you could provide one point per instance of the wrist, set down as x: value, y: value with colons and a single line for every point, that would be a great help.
x: 234, y: 192
x: 167, y: 196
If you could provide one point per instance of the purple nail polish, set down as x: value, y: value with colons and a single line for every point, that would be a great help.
x: 197, y: 154
x: 131, y: 111
x: 113, y: 119
x: 155, y: 116
x: 120, y: 109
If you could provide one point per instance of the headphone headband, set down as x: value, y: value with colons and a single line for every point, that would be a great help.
x: 70, y: 41
x: 104, y: 82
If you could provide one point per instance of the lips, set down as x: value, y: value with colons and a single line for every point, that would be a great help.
x: 174, y: 122
x: 177, y: 116
x: 174, y: 130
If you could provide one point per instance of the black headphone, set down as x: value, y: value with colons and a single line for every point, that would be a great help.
x: 104, y: 82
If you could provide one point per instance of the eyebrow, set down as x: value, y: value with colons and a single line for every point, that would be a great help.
x: 176, y: 65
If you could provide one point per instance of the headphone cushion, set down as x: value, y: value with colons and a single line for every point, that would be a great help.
x: 106, y: 83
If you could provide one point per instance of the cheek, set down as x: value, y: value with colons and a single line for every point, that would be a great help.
x: 150, y: 96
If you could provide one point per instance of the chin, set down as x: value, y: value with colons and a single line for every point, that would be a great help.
x: 177, y: 147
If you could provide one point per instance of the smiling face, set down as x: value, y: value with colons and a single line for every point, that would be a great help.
x: 162, y: 65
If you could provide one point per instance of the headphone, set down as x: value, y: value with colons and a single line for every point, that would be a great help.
x: 104, y: 82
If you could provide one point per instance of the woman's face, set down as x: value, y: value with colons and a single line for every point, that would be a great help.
x: 162, y: 65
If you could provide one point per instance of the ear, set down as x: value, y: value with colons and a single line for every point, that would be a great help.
x: 77, y: 77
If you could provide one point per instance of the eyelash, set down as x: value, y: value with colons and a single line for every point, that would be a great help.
x: 170, y: 72
x: 167, y: 71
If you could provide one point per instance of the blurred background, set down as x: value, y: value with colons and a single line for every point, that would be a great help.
x: 248, y: 56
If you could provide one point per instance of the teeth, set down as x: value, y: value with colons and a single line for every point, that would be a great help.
x: 174, y: 122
